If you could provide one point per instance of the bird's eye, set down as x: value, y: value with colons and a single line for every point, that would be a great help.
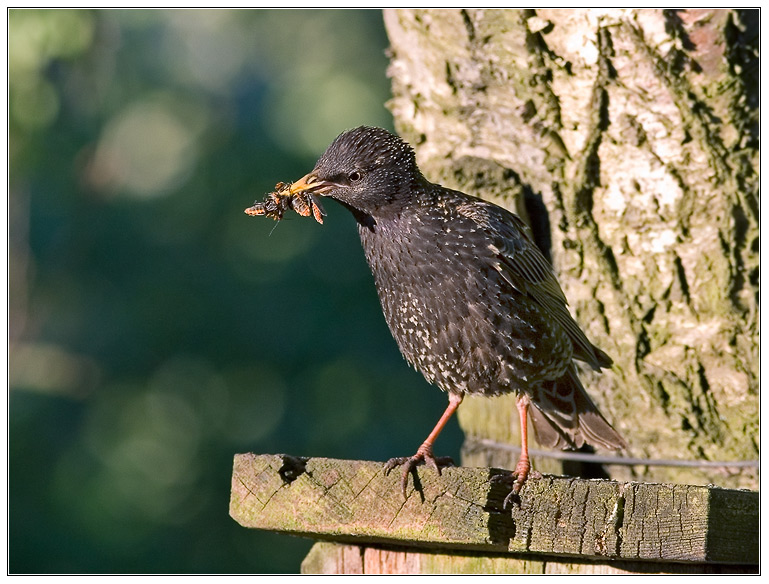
x: 354, y: 176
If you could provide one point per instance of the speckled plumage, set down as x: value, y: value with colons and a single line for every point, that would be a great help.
x: 470, y: 300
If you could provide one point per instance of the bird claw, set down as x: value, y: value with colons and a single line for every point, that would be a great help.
x: 409, y: 463
x: 516, y: 478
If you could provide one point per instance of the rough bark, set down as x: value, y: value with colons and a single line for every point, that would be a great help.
x: 629, y: 139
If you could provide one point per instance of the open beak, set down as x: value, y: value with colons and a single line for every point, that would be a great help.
x: 310, y: 183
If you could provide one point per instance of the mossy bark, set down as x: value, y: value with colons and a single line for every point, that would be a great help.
x: 629, y: 140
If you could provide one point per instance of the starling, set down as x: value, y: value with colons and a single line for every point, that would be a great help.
x: 471, y: 301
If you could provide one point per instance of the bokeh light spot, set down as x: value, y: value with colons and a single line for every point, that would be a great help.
x: 308, y: 116
x: 257, y: 403
x: 34, y: 103
x: 146, y: 150
x: 343, y: 401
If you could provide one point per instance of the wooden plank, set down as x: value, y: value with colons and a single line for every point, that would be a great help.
x: 355, y: 502
x: 335, y: 558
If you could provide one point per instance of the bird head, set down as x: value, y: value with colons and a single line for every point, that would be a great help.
x: 367, y: 169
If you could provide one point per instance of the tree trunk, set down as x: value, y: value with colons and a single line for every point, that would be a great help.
x: 629, y: 140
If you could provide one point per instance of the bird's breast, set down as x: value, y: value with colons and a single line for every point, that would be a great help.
x: 450, y: 311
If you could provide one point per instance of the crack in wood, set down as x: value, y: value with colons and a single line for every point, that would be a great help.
x: 397, y: 512
x: 556, y: 515
x: 370, y: 480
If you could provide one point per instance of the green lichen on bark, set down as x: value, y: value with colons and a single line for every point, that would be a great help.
x: 636, y: 132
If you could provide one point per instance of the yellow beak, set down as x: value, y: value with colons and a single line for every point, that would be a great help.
x: 310, y: 182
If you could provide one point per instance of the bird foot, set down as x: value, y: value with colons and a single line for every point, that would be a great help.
x: 517, y: 478
x: 424, y: 455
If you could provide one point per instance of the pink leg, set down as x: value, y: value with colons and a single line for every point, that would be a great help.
x: 523, y: 467
x: 425, y: 451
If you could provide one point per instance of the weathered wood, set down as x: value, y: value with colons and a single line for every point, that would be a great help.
x: 355, y: 502
x: 335, y: 558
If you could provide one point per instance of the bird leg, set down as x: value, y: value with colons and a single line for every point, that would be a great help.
x: 425, y: 451
x: 523, y: 467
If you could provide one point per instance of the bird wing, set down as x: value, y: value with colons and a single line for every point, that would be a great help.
x: 522, y: 265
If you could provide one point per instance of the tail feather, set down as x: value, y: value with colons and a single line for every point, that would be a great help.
x: 564, y: 416
x: 595, y: 357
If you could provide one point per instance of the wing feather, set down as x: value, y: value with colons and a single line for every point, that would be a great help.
x: 522, y: 265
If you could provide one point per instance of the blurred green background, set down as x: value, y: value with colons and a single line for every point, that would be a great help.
x: 155, y: 329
